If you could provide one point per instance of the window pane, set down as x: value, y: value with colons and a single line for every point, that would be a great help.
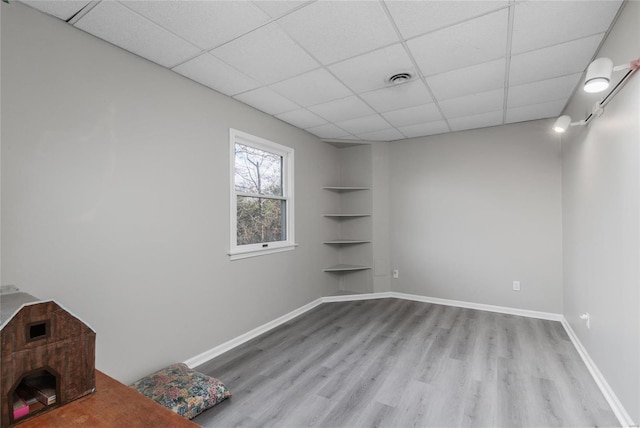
x: 257, y: 171
x: 260, y: 220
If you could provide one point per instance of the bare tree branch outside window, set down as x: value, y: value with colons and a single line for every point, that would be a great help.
x: 260, y: 206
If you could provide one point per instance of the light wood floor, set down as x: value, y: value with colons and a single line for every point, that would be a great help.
x: 396, y: 363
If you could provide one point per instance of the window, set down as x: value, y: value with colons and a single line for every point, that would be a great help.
x: 261, y: 196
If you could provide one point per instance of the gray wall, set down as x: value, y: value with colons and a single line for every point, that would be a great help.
x: 115, y: 190
x: 473, y: 211
x: 381, y: 218
x: 601, y: 231
x: 115, y: 202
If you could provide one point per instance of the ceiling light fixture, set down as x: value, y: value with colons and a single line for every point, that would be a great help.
x: 597, y: 79
x: 599, y: 72
x: 598, y: 75
x: 399, y: 78
x: 564, y: 122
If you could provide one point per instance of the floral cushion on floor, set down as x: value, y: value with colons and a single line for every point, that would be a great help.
x: 185, y: 391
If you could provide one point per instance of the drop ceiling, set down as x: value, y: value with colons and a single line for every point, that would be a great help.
x: 322, y: 65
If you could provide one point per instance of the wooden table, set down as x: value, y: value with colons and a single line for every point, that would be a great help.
x: 112, y: 405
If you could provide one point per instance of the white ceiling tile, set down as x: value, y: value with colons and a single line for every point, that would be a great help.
x: 559, y: 88
x: 210, y: 71
x: 206, y: 24
x: 535, y: 111
x: 473, y: 104
x: 468, y: 80
x: 363, y: 125
x: 312, y: 88
x: 303, y: 61
x: 336, y: 30
x: 537, y: 24
x: 472, y: 42
x: 483, y: 120
x: 370, y: 71
x: 390, y: 134
x: 419, y: 17
x: 422, y: 129
x: 343, y: 109
x: 301, y: 118
x: 396, y: 97
x: 60, y: 9
x: 266, y: 54
x: 413, y: 115
x: 267, y: 100
x: 558, y: 60
x: 116, y: 24
x: 277, y: 8
x: 328, y: 131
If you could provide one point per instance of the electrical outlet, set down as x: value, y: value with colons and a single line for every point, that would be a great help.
x: 586, y: 317
x: 396, y: 273
x: 516, y: 285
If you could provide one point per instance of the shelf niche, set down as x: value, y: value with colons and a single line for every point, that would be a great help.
x: 350, y: 213
x: 345, y: 268
x: 346, y: 242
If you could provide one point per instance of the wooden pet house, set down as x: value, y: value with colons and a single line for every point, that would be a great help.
x: 47, y: 357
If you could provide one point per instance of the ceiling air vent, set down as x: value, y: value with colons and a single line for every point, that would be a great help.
x: 398, y: 78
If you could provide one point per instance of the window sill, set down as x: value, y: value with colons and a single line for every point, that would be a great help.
x: 245, y: 254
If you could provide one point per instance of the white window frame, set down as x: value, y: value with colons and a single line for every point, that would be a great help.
x: 236, y: 251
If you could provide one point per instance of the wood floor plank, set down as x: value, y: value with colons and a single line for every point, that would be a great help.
x: 512, y: 408
x: 308, y: 413
x: 479, y: 407
x: 351, y: 402
x: 451, y: 385
x: 277, y: 411
x: 376, y: 415
x: 417, y: 405
x: 397, y: 363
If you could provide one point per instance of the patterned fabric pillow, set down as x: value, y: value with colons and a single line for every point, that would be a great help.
x: 185, y: 391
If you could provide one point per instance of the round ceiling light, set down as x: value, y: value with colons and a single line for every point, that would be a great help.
x: 398, y: 78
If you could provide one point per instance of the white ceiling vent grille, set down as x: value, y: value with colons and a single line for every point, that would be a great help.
x: 398, y: 78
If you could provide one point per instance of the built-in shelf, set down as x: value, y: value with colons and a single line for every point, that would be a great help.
x: 352, y: 225
x: 347, y: 215
x: 345, y: 268
x: 346, y: 242
x: 345, y: 188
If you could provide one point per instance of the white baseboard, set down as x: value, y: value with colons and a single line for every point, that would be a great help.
x: 457, y: 303
x: 237, y: 341
x: 623, y: 417
x: 353, y: 297
x: 615, y: 404
x: 479, y: 306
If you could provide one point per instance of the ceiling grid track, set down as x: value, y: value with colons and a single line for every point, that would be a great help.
x: 507, y: 66
x: 82, y: 12
x: 415, y: 64
x: 323, y: 66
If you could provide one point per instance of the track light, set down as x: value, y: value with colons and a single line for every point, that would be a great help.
x: 599, y: 72
x: 564, y: 122
x: 597, y: 79
x: 598, y: 75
